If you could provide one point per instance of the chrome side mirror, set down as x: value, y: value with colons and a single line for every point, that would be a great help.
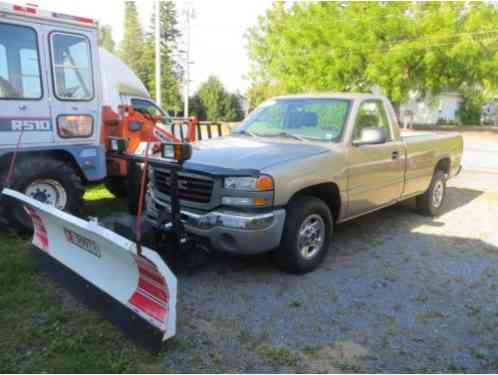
x: 371, y: 136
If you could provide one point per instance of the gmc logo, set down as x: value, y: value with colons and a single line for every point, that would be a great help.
x: 31, y: 125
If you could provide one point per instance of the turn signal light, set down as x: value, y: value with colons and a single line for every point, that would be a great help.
x: 264, y: 183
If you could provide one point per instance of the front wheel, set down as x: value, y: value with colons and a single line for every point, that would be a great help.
x: 431, y: 202
x: 306, y: 237
x: 50, y: 181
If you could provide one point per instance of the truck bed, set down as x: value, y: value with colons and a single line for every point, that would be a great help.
x: 423, y: 151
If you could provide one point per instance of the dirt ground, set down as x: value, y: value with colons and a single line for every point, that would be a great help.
x: 398, y: 293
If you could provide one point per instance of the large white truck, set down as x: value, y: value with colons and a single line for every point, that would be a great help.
x: 54, y: 83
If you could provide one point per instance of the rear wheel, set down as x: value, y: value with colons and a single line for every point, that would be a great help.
x: 47, y: 180
x: 431, y: 202
x: 307, y: 233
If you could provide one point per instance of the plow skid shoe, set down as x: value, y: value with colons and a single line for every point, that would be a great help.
x: 137, y: 293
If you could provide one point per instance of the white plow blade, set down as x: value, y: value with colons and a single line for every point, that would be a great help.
x: 144, y: 285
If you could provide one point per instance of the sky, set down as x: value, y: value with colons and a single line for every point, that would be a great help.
x: 217, y: 31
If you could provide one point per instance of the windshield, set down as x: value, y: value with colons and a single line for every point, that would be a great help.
x: 318, y: 119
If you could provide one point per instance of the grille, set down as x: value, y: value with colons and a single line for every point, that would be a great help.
x: 190, y: 188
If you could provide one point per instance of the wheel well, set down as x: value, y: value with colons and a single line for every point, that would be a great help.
x: 61, y: 155
x: 443, y: 165
x: 327, y: 192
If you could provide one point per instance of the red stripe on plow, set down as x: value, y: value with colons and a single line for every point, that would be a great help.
x: 40, y: 235
x: 156, y: 292
x: 148, y: 306
x: 153, y: 275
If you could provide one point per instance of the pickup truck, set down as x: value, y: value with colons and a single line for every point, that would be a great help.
x: 299, y: 165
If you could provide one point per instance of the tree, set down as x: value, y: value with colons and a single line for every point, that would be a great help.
x: 357, y: 46
x: 233, y: 108
x: 212, y: 102
x: 171, y: 72
x: 212, y: 96
x: 105, y: 38
x: 132, y: 48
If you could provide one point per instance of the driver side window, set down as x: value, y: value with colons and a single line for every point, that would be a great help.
x: 71, y: 67
x: 371, y: 115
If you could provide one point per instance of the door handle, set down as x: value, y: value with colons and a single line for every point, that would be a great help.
x: 22, y: 107
x: 395, y: 155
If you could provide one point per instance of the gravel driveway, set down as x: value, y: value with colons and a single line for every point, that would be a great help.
x: 398, y: 293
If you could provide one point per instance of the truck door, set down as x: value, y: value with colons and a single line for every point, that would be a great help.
x: 376, y: 171
x: 74, y: 84
x: 24, y: 103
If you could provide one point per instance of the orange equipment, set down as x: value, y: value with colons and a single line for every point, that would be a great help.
x: 136, y: 128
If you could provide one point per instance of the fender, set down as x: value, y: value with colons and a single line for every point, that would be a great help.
x: 91, y: 159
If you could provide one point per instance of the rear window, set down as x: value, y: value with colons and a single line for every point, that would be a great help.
x: 71, y: 67
x: 19, y: 63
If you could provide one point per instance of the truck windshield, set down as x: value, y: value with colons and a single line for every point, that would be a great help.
x: 317, y: 119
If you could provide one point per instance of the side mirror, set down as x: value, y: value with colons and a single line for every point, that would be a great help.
x: 371, y: 136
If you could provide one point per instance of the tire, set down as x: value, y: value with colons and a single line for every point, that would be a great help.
x: 431, y: 202
x: 118, y: 186
x: 133, y: 186
x: 304, y: 212
x: 48, y: 180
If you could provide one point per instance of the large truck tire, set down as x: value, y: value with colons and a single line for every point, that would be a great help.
x: 48, y: 180
x: 308, y: 229
x: 118, y: 186
x: 431, y: 202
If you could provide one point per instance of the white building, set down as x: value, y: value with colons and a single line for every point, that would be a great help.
x: 430, y: 110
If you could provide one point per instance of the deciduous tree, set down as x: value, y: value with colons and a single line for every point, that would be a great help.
x: 341, y: 46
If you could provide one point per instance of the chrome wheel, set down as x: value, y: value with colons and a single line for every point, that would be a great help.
x: 48, y: 191
x: 438, y: 194
x: 311, y: 236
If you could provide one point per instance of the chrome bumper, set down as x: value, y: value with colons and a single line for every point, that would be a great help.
x: 230, y: 231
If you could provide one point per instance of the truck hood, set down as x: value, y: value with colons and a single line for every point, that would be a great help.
x: 250, y: 153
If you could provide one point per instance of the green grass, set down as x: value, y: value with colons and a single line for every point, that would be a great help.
x: 279, y: 355
x: 44, y: 330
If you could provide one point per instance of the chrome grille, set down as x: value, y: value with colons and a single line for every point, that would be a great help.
x: 190, y: 188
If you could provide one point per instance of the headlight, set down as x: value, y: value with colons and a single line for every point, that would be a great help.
x: 75, y: 126
x: 261, y: 183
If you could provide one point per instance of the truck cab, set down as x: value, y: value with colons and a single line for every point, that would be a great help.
x: 54, y: 85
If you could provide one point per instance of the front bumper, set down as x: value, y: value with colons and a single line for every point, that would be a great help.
x: 228, y: 230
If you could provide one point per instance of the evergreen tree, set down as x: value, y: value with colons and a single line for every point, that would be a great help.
x: 170, y: 71
x: 132, y: 47
x: 233, y: 108
x: 105, y: 38
x: 212, y: 102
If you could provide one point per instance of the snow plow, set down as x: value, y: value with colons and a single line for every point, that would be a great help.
x: 130, y: 284
x: 135, y: 291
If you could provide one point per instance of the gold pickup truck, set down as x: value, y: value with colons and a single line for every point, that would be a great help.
x: 297, y: 166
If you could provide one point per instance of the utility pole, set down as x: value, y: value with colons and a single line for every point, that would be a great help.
x: 189, y: 13
x: 158, y: 52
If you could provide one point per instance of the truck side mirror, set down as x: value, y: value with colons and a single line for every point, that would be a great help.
x: 371, y: 136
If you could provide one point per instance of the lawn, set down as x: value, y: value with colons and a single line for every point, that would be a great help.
x: 43, y: 329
